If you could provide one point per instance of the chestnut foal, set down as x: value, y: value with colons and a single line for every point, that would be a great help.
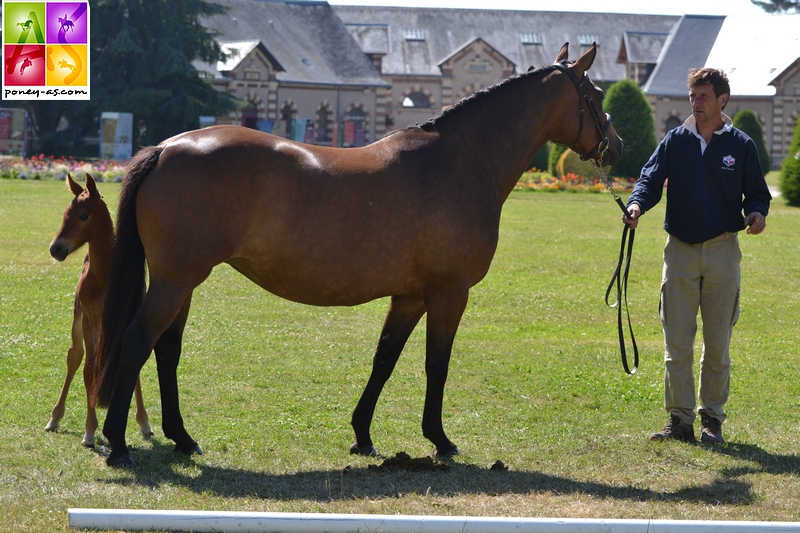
x: 87, y: 220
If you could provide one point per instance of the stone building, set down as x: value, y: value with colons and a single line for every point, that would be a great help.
x: 347, y: 75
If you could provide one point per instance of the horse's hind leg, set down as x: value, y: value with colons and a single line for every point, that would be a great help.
x: 168, y: 354
x: 162, y: 303
x: 74, y: 358
x: 403, y: 316
x: 444, y: 315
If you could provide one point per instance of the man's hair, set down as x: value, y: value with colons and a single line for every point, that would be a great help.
x: 710, y: 76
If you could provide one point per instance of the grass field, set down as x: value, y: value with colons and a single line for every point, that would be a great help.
x: 268, y: 387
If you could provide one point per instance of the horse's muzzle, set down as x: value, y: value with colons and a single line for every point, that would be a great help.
x: 59, y: 250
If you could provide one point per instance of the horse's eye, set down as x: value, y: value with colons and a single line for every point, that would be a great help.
x: 84, y: 217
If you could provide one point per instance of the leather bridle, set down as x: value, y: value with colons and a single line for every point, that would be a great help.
x: 587, y: 101
x: 620, y: 277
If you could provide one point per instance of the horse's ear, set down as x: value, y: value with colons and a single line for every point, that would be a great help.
x: 73, y: 185
x: 91, y: 186
x: 585, y: 61
x: 563, y: 55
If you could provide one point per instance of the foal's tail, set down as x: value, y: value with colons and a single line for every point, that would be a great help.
x: 126, y: 281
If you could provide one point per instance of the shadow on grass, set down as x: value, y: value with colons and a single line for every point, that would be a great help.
x: 157, y: 467
x: 766, y: 462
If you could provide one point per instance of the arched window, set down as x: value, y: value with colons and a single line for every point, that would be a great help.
x: 357, y: 116
x: 250, y: 117
x: 672, y: 123
x: 286, y: 118
x: 323, y: 135
x: 416, y: 100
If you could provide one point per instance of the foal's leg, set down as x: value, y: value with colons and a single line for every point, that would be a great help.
x: 141, y: 413
x: 444, y: 315
x: 90, y: 339
x: 161, y: 305
x: 168, y: 354
x: 404, y: 314
x: 74, y: 358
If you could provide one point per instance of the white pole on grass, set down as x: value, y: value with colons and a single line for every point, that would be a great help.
x: 234, y: 522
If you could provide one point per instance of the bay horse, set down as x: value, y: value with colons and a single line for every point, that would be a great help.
x: 414, y: 216
x: 87, y: 220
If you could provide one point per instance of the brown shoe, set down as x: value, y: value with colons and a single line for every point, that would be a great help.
x: 710, y: 429
x: 675, y: 429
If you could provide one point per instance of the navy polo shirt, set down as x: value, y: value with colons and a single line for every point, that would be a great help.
x: 710, y: 188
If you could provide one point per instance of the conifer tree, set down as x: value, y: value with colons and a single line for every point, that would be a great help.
x: 748, y: 122
x: 632, y: 117
x: 790, y: 171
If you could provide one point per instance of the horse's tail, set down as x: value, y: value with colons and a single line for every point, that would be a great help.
x: 126, y: 281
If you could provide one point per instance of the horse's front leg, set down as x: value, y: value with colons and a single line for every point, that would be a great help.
x: 168, y: 355
x: 141, y: 413
x: 90, y: 339
x: 403, y: 316
x: 74, y: 358
x: 444, y: 315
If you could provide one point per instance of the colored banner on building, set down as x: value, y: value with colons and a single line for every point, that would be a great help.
x: 45, y: 50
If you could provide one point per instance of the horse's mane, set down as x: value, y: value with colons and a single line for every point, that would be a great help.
x: 477, y: 97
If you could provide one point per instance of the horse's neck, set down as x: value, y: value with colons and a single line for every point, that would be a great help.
x: 101, y: 247
x: 497, y: 140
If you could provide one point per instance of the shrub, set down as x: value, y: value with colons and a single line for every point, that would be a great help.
x: 570, y: 163
x: 555, y: 154
x: 633, y: 119
x: 790, y: 171
x: 747, y: 121
x: 541, y: 159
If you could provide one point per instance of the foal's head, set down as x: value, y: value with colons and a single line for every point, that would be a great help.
x: 86, y: 215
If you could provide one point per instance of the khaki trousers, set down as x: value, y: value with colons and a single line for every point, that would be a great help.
x: 701, y: 276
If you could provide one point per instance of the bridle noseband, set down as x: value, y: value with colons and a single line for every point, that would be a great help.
x: 602, y: 131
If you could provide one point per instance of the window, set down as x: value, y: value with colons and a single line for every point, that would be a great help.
x: 672, y: 123
x: 414, y: 34
x: 530, y: 37
x: 323, y: 135
x: 586, y: 39
x: 416, y: 100
x: 252, y: 75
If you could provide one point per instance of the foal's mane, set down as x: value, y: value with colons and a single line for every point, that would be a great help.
x: 478, y: 97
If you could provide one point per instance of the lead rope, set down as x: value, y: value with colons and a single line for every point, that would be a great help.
x: 620, y: 278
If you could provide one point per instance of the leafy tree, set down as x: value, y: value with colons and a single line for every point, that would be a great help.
x: 778, y: 6
x: 747, y: 121
x: 555, y: 154
x: 633, y: 120
x: 790, y: 171
x: 142, y: 55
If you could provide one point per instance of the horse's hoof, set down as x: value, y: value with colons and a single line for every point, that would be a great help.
x: 51, y: 426
x: 447, y: 453
x: 146, y: 431
x: 188, y: 449
x: 121, y: 461
x: 87, y: 443
x: 368, y: 451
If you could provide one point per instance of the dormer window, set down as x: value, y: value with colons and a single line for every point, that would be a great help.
x: 414, y: 34
x: 586, y: 39
x: 530, y: 37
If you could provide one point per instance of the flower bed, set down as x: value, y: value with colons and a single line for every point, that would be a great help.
x: 542, y: 181
x: 42, y: 167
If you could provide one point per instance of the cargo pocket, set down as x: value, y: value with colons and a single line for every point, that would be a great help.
x: 735, y: 317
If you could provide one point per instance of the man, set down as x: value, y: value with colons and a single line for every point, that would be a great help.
x: 715, y: 189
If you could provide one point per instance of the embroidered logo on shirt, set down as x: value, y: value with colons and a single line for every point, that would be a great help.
x: 728, y: 161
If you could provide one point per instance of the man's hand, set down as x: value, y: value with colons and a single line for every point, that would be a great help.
x: 755, y: 222
x: 633, y: 220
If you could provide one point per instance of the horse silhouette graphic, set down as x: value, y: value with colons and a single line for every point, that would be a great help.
x: 26, y: 26
x: 64, y: 64
x: 25, y: 64
x: 66, y: 24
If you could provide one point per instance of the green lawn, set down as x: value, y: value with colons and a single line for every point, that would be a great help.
x: 268, y: 387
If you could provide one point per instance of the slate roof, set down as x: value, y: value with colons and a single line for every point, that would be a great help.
x: 642, y: 46
x: 688, y: 46
x: 445, y: 30
x: 306, y: 39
